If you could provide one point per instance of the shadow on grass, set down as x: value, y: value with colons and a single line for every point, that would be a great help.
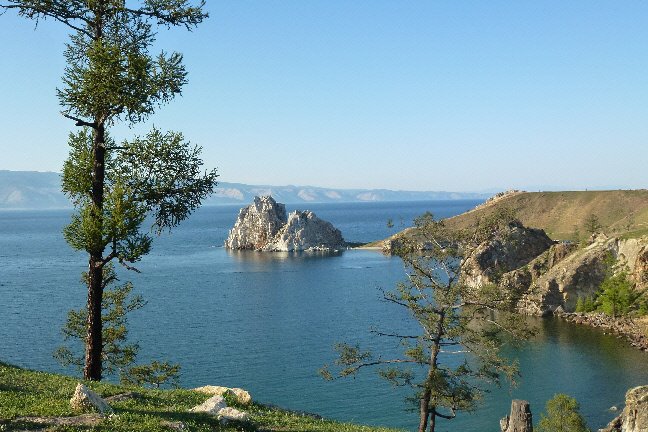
x: 11, y: 388
x: 29, y: 426
x: 187, y: 418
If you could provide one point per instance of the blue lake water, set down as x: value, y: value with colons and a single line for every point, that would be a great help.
x: 267, y: 322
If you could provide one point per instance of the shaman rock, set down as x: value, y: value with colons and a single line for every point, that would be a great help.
x: 257, y: 224
x: 264, y: 226
x: 304, y: 231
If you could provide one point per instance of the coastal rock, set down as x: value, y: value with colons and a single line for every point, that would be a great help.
x: 211, y: 406
x: 229, y: 414
x: 264, y: 226
x: 635, y: 413
x: 85, y: 399
x: 511, y: 249
x: 257, y: 224
x: 548, y: 278
x: 304, y: 231
x: 559, y: 280
x: 242, y: 396
x: 520, y: 419
x: 634, y: 417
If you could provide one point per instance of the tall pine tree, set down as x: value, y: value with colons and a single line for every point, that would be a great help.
x: 112, y: 77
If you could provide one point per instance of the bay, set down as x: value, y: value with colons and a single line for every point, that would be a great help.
x: 267, y: 322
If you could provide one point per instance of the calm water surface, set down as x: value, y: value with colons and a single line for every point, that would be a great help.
x: 267, y: 322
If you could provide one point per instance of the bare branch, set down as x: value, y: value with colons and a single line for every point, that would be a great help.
x: 128, y: 267
x: 79, y: 122
x: 376, y: 332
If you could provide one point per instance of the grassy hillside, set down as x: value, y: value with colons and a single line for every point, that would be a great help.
x: 622, y: 213
x: 27, y: 394
x: 560, y: 214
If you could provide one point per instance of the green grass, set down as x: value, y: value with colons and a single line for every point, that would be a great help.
x: 25, y: 393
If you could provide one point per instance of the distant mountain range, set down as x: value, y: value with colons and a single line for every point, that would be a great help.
x: 41, y: 190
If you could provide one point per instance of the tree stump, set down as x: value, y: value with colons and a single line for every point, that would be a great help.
x: 520, y: 419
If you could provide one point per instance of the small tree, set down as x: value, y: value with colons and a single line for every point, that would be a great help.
x: 155, y: 374
x: 617, y: 295
x: 592, y: 225
x: 454, y: 319
x: 562, y: 416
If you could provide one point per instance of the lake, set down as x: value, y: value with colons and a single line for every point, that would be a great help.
x: 267, y: 321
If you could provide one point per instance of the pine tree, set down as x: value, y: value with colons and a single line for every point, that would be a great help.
x: 454, y: 320
x: 111, y: 77
x: 562, y: 416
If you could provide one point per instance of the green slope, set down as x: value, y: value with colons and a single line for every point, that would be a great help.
x: 25, y: 393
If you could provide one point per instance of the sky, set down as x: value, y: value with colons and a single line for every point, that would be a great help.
x: 411, y: 95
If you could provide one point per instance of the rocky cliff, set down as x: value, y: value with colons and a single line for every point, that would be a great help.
x: 512, y: 247
x: 634, y: 417
x: 550, y: 276
x: 257, y: 224
x: 264, y: 226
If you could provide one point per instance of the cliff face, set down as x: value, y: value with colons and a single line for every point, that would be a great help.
x: 257, y: 224
x: 264, y: 226
x: 305, y: 231
x: 549, y: 277
x: 511, y: 249
x: 634, y: 417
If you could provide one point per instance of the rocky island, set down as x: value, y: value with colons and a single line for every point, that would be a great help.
x: 265, y: 226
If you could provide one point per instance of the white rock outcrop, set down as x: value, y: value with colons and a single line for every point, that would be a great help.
x: 264, y: 226
x: 211, y: 406
x: 257, y: 224
x: 304, y: 231
x: 217, y: 406
x: 243, y: 397
x: 232, y: 414
x: 85, y: 399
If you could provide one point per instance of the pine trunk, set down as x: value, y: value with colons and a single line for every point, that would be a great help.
x: 94, y: 339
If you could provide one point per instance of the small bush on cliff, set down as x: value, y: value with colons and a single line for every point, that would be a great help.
x: 562, y: 416
x: 586, y: 304
x: 618, y: 296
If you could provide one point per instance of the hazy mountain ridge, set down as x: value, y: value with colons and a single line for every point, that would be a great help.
x: 42, y: 190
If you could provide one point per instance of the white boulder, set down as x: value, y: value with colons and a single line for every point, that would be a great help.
x: 243, y: 397
x: 211, y: 406
x: 232, y: 414
x: 85, y: 399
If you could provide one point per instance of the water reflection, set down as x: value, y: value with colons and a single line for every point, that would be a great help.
x: 256, y: 257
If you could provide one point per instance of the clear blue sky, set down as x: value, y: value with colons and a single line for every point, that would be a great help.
x: 420, y: 95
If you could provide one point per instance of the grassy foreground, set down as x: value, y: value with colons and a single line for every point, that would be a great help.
x: 25, y: 394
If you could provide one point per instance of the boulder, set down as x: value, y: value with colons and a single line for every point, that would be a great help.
x: 242, y: 396
x: 232, y: 414
x: 264, y: 226
x: 85, y: 399
x: 257, y: 224
x: 520, y: 419
x: 211, y: 406
x: 304, y: 231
